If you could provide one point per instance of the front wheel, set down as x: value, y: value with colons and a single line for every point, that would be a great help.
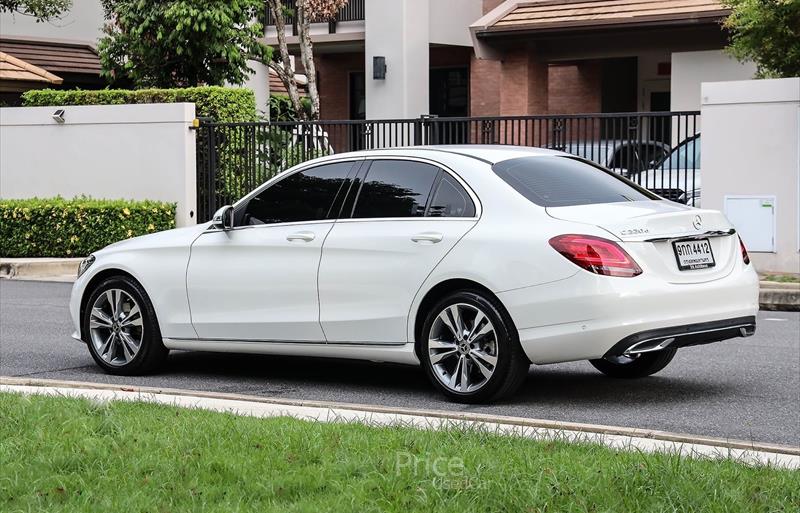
x: 120, y: 327
x: 470, y: 349
x: 636, y: 366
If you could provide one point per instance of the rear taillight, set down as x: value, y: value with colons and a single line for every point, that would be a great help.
x: 745, y: 256
x: 597, y: 255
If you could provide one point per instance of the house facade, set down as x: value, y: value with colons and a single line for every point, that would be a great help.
x: 455, y: 58
x: 511, y: 57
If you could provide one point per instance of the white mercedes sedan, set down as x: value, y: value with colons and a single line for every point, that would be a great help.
x: 471, y: 261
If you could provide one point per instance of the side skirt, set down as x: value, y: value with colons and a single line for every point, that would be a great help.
x: 400, y: 353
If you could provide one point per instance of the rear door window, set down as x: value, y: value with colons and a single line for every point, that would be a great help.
x: 556, y: 181
x: 395, y: 188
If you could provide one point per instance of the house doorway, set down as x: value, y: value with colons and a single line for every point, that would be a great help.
x: 357, y: 91
x: 449, y: 92
x: 656, y: 98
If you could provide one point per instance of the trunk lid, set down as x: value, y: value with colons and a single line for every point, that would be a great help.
x: 649, y: 228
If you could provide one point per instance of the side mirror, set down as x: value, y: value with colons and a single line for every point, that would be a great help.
x: 223, y: 218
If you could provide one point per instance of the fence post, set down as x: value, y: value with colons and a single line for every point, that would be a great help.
x: 211, y: 190
x: 429, y: 128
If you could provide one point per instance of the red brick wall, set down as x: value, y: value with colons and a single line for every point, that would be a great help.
x: 488, y: 5
x: 484, y: 87
x: 523, y: 83
x: 333, y: 71
x: 574, y: 88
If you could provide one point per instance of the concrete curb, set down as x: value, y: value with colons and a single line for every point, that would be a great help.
x: 55, y: 269
x: 779, y: 296
x: 361, y: 412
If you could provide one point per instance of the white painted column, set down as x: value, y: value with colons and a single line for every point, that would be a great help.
x: 399, y: 31
x: 259, y: 83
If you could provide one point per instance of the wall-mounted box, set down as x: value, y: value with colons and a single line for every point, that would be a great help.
x: 754, y: 219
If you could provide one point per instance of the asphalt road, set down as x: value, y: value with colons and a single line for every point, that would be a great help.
x: 747, y: 389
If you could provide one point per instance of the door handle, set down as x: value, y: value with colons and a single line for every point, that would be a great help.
x: 430, y: 237
x: 303, y: 236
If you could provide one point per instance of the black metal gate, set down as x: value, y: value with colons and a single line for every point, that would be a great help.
x: 659, y: 150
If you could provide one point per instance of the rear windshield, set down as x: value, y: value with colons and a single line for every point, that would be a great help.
x: 557, y: 181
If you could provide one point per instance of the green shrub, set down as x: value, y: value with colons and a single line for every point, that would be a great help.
x: 281, y: 108
x: 223, y: 104
x: 58, y: 227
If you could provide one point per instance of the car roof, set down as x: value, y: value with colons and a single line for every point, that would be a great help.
x: 489, y: 153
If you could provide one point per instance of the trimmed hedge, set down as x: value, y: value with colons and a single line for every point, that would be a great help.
x: 223, y: 104
x: 58, y: 227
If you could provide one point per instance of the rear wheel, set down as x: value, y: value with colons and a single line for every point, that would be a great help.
x: 121, y: 329
x: 470, y: 350
x: 636, y: 366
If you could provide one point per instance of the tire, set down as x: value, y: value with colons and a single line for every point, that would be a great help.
x: 111, y: 336
x: 500, y: 346
x: 643, y: 365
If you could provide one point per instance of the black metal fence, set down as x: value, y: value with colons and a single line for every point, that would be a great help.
x: 659, y: 150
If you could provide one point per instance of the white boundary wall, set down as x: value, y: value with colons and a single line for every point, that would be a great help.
x: 102, y: 151
x: 751, y: 151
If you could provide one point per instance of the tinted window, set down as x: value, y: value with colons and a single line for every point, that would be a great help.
x: 685, y: 156
x: 304, y: 196
x: 395, y: 188
x: 652, y: 154
x: 565, y: 181
x: 623, y: 158
x: 451, y: 200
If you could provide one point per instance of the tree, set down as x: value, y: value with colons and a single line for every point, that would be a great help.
x: 768, y: 33
x: 180, y: 43
x: 40, y: 9
x: 306, y: 12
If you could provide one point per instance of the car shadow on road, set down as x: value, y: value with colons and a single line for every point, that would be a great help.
x: 574, y: 384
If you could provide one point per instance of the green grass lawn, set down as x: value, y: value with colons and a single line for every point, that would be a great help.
x: 59, y: 454
x: 782, y: 278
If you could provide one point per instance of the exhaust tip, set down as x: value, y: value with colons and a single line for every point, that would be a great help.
x: 647, y: 346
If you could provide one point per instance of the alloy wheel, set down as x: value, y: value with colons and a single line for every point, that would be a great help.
x: 115, y: 326
x: 462, y: 348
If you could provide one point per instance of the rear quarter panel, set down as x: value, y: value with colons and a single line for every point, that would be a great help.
x: 508, y: 248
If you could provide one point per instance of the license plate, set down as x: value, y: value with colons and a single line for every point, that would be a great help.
x: 693, y: 254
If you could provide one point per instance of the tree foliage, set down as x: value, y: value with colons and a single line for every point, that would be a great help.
x: 40, y: 9
x: 180, y: 43
x: 768, y: 33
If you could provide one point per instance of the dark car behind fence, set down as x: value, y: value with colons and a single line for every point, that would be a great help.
x: 659, y: 150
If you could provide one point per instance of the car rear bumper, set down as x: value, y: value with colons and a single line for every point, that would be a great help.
x: 587, y: 316
x: 682, y: 336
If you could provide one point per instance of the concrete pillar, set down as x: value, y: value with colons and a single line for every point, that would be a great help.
x: 398, y: 31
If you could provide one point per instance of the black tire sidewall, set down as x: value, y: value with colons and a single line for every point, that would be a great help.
x: 505, y: 334
x: 152, y: 347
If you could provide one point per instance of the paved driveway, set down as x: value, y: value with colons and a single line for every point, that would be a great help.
x: 744, y: 388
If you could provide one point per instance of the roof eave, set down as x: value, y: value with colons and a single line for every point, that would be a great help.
x: 710, y: 18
